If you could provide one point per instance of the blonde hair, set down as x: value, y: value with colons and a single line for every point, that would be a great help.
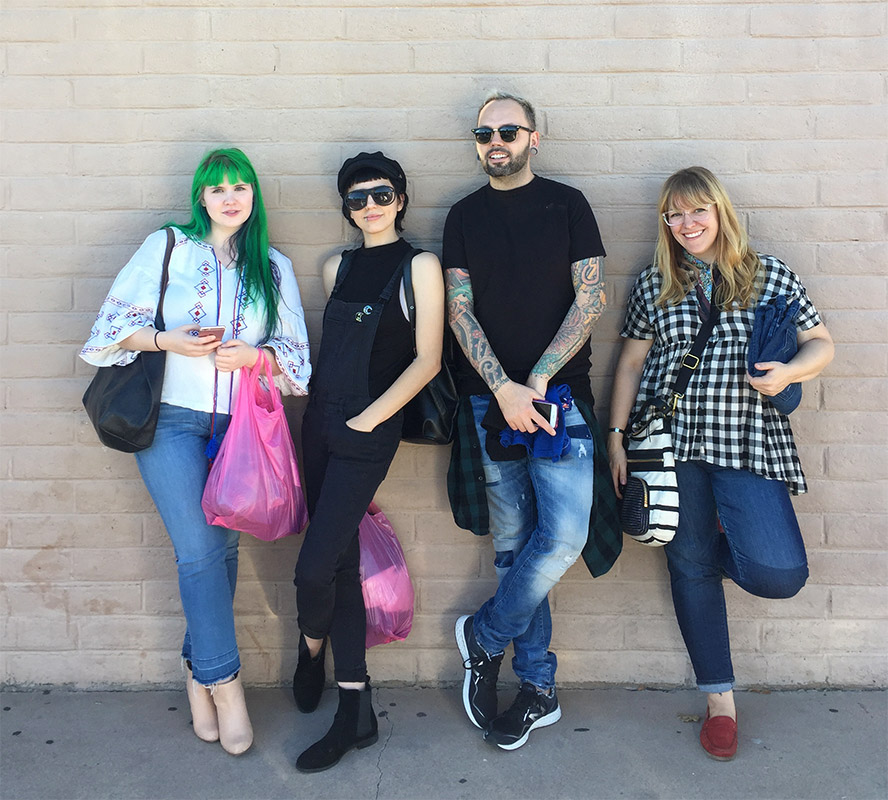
x: 739, y: 267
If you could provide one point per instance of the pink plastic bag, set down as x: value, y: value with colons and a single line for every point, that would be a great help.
x: 388, y: 593
x: 254, y: 484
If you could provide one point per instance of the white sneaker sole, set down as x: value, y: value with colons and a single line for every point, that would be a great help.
x: 460, y: 632
x: 542, y: 722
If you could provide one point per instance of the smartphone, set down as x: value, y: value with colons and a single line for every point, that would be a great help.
x: 547, y: 410
x: 217, y: 332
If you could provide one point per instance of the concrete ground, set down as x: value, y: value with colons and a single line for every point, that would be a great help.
x: 610, y: 743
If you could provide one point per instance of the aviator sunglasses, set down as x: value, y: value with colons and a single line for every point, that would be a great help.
x: 382, y: 196
x: 508, y: 133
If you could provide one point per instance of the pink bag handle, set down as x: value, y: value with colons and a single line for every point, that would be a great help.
x: 255, y: 372
x: 262, y: 363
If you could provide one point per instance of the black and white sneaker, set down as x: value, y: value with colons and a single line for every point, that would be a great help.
x: 531, y: 710
x: 482, y: 671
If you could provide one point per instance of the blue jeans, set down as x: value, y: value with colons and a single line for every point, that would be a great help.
x: 761, y: 550
x: 539, y: 518
x: 175, y: 471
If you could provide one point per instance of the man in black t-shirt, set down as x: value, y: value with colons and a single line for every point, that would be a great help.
x: 522, y: 259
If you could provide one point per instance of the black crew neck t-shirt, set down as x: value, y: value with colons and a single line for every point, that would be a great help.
x: 517, y: 247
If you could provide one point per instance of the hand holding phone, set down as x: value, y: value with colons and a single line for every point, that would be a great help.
x: 547, y: 410
x: 217, y: 332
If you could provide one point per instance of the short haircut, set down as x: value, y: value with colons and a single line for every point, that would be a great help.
x: 369, y: 174
x: 525, y: 105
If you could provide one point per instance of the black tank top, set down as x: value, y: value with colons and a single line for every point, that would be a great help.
x: 370, y: 271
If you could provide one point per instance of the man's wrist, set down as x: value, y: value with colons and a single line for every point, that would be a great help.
x: 538, y: 381
x: 499, y: 383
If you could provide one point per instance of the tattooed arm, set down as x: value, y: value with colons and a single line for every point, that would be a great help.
x: 578, y: 322
x: 514, y: 398
x: 468, y: 331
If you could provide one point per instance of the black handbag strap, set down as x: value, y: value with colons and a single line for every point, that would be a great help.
x: 164, y: 279
x: 693, y: 357
x: 407, y: 266
x: 345, y: 261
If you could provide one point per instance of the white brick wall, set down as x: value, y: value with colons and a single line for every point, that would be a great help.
x: 108, y: 106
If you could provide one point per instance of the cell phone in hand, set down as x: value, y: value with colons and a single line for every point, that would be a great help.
x: 547, y: 410
x: 217, y: 332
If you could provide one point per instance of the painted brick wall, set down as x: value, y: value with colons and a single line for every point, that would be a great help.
x: 108, y: 105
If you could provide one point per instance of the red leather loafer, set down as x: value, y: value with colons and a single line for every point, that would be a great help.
x: 719, y: 737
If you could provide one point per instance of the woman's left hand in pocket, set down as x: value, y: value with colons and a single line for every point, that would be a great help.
x: 234, y: 354
x: 358, y: 423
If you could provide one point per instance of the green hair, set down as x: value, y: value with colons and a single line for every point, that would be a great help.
x: 250, y: 242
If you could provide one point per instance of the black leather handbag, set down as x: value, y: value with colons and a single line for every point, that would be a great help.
x: 123, y: 402
x: 429, y: 416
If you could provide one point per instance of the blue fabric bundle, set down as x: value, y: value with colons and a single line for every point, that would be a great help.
x: 539, y: 443
x: 774, y: 339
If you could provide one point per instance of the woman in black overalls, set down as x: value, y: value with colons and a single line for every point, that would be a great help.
x: 366, y: 371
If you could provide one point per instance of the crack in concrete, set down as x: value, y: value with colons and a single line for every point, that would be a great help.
x: 388, y: 717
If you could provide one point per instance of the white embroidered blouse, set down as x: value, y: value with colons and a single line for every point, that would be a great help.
x: 199, y: 292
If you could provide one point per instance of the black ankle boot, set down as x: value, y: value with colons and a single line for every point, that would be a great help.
x: 354, y: 726
x: 308, y: 680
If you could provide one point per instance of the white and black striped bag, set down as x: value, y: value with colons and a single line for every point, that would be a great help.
x: 649, y: 511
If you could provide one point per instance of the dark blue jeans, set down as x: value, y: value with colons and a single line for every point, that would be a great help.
x: 761, y: 550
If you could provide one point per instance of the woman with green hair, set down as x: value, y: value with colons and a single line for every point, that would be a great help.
x: 222, y: 275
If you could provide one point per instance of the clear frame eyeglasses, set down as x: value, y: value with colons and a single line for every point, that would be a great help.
x: 675, y: 218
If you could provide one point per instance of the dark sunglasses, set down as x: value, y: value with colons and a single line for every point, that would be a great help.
x: 508, y: 133
x: 382, y: 196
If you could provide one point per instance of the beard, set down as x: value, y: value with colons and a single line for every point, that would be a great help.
x: 512, y: 165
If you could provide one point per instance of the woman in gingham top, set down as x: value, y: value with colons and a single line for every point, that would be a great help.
x: 736, y: 461
x: 222, y: 274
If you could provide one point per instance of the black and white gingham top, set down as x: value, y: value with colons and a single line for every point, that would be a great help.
x: 721, y: 420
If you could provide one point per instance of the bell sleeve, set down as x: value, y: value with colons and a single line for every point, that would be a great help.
x: 290, y: 342
x: 130, y: 305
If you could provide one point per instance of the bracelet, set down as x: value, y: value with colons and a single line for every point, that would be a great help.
x: 616, y: 430
x: 156, y: 345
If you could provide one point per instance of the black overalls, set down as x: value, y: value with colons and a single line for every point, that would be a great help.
x: 343, y: 469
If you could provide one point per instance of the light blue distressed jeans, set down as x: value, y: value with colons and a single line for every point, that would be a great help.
x: 175, y: 470
x: 539, y: 518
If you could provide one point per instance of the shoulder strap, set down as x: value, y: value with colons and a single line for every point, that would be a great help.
x: 407, y: 266
x: 692, y: 358
x: 164, y: 279
x: 344, y: 266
